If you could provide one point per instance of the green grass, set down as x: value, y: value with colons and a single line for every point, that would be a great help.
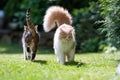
x: 94, y: 66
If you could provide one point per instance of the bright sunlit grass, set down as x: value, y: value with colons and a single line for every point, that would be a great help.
x: 93, y: 66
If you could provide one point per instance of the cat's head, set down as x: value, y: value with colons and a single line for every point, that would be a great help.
x: 66, y: 34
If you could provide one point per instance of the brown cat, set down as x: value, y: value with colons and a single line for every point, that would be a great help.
x: 30, y: 39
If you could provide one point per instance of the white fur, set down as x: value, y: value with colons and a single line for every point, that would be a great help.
x: 61, y: 16
x: 25, y: 52
x: 62, y: 48
x: 24, y: 49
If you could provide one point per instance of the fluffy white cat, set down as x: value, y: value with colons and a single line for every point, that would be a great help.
x: 64, y: 43
x: 64, y: 38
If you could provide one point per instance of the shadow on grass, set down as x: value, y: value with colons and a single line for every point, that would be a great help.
x: 75, y: 63
x: 40, y: 61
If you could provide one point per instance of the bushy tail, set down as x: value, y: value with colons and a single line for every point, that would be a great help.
x: 56, y: 14
x: 28, y: 19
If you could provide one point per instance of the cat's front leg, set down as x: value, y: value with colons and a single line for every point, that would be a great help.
x: 58, y: 59
x: 61, y: 58
x: 55, y: 51
x: 71, y: 56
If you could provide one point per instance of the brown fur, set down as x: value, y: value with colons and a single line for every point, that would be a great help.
x: 30, y: 39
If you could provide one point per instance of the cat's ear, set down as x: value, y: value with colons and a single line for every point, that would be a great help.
x: 70, y: 30
x: 36, y: 27
x: 62, y: 30
x: 25, y: 28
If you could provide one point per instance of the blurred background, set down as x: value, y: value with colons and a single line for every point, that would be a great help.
x: 97, y: 22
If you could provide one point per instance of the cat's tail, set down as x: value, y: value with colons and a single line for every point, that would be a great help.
x: 58, y: 15
x: 28, y: 19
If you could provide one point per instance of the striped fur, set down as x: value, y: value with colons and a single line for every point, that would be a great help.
x: 30, y: 39
x: 28, y: 19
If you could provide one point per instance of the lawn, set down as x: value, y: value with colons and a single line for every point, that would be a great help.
x: 92, y: 66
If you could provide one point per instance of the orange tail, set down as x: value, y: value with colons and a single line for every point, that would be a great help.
x: 56, y: 14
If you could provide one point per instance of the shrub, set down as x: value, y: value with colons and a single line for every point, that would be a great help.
x: 86, y: 30
x: 38, y: 8
x: 110, y: 11
x: 90, y: 45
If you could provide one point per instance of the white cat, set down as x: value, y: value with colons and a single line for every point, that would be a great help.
x: 64, y: 43
x: 64, y: 38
